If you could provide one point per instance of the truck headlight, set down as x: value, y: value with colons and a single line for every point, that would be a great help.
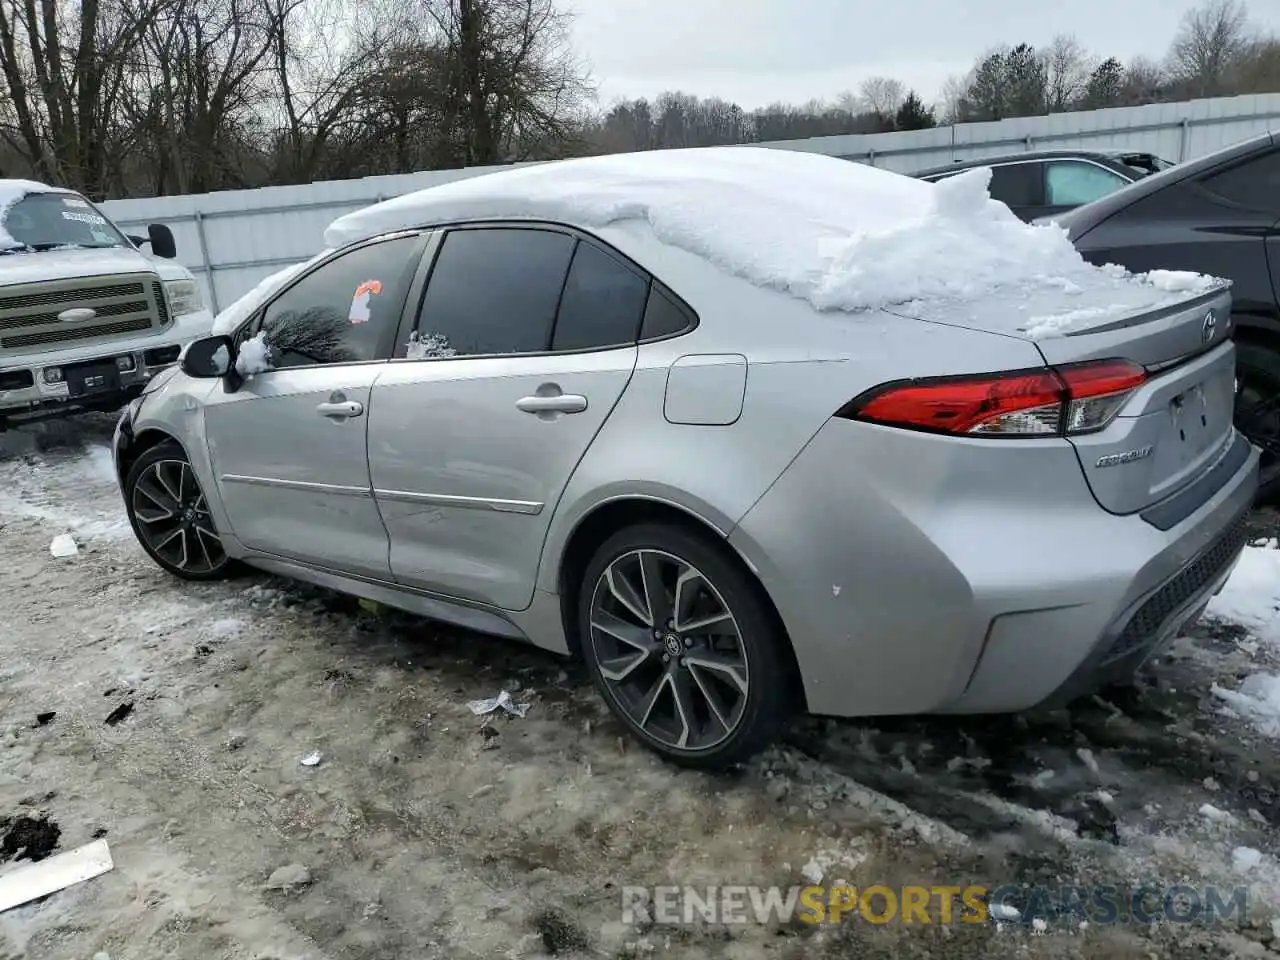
x: 184, y: 296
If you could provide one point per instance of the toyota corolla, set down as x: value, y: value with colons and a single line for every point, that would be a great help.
x: 749, y: 431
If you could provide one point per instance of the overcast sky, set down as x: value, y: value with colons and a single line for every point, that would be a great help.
x: 760, y: 51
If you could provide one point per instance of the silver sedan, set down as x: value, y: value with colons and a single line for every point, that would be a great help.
x: 611, y: 442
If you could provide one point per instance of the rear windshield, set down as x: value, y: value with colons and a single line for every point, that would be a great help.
x: 46, y: 221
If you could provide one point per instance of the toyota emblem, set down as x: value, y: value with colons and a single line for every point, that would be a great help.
x: 1209, y: 327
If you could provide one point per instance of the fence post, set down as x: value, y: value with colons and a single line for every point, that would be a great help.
x: 871, y: 158
x: 208, y: 266
x: 1185, y: 124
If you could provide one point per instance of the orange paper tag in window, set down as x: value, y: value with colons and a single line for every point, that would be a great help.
x: 360, y: 302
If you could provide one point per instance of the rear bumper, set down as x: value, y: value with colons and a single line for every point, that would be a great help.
x: 24, y: 387
x: 929, y: 575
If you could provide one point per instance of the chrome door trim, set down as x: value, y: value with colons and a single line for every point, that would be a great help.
x: 303, y: 485
x: 527, y: 507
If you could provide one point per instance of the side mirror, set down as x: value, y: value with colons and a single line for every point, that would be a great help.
x: 161, y: 239
x: 208, y: 358
x: 136, y: 240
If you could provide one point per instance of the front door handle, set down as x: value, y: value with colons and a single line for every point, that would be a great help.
x: 560, y: 403
x: 340, y: 410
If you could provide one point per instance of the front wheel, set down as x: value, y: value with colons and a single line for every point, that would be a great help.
x: 170, y: 515
x: 682, y: 646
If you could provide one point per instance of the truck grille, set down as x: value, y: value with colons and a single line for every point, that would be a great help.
x: 125, y: 304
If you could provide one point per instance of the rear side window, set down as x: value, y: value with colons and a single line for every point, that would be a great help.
x: 664, y: 316
x: 1017, y: 184
x: 1254, y: 184
x: 602, y: 304
x: 1070, y: 183
x: 494, y: 290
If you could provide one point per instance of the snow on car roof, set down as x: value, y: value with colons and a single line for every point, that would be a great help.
x: 840, y: 235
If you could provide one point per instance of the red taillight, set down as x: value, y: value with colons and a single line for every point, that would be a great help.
x: 1048, y: 402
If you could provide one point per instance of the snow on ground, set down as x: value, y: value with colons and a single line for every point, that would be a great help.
x: 427, y: 831
x: 1252, y: 596
x: 840, y: 235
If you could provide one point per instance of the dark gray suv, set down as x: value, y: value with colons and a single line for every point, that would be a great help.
x: 1036, y: 184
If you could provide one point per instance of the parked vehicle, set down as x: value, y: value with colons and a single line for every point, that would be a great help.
x: 1218, y: 214
x: 1039, y: 183
x: 86, y: 319
x: 592, y: 405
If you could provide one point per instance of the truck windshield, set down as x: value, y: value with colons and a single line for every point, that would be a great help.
x: 47, y: 221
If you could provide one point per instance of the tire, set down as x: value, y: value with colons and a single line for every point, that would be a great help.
x: 185, y: 542
x: 1257, y: 412
x: 708, y: 663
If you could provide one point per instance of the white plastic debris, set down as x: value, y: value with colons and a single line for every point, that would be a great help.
x: 503, y: 700
x: 64, y: 545
x: 312, y: 759
x: 32, y: 881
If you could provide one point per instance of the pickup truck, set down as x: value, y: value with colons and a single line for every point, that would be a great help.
x: 86, y: 318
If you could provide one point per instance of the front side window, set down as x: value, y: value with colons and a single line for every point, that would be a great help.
x: 346, y: 311
x: 47, y: 221
x: 1069, y: 183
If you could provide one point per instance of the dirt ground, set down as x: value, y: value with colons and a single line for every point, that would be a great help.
x: 171, y: 719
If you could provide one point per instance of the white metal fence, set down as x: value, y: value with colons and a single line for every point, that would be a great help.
x: 232, y: 239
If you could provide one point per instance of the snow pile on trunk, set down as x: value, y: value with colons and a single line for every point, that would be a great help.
x: 226, y: 322
x: 840, y: 235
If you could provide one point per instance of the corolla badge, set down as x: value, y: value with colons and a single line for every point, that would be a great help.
x: 77, y: 314
x: 1115, y: 459
x: 1209, y: 327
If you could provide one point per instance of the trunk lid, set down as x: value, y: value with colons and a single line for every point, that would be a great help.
x: 1170, y: 430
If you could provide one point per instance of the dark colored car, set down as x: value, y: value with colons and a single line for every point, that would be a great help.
x: 1218, y: 214
x: 1047, y: 182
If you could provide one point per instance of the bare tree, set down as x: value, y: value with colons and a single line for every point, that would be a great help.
x: 1144, y: 81
x: 62, y: 65
x: 1067, y: 66
x: 1209, y: 45
x: 881, y: 96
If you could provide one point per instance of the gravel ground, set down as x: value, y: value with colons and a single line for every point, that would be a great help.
x: 171, y: 719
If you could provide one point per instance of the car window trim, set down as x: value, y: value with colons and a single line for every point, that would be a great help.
x: 438, y: 232
x: 253, y: 323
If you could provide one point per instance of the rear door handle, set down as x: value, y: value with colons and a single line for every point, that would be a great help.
x: 340, y: 410
x: 563, y: 403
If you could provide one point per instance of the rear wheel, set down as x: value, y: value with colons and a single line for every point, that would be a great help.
x: 170, y: 515
x: 1257, y: 413
x: 682, y: 646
